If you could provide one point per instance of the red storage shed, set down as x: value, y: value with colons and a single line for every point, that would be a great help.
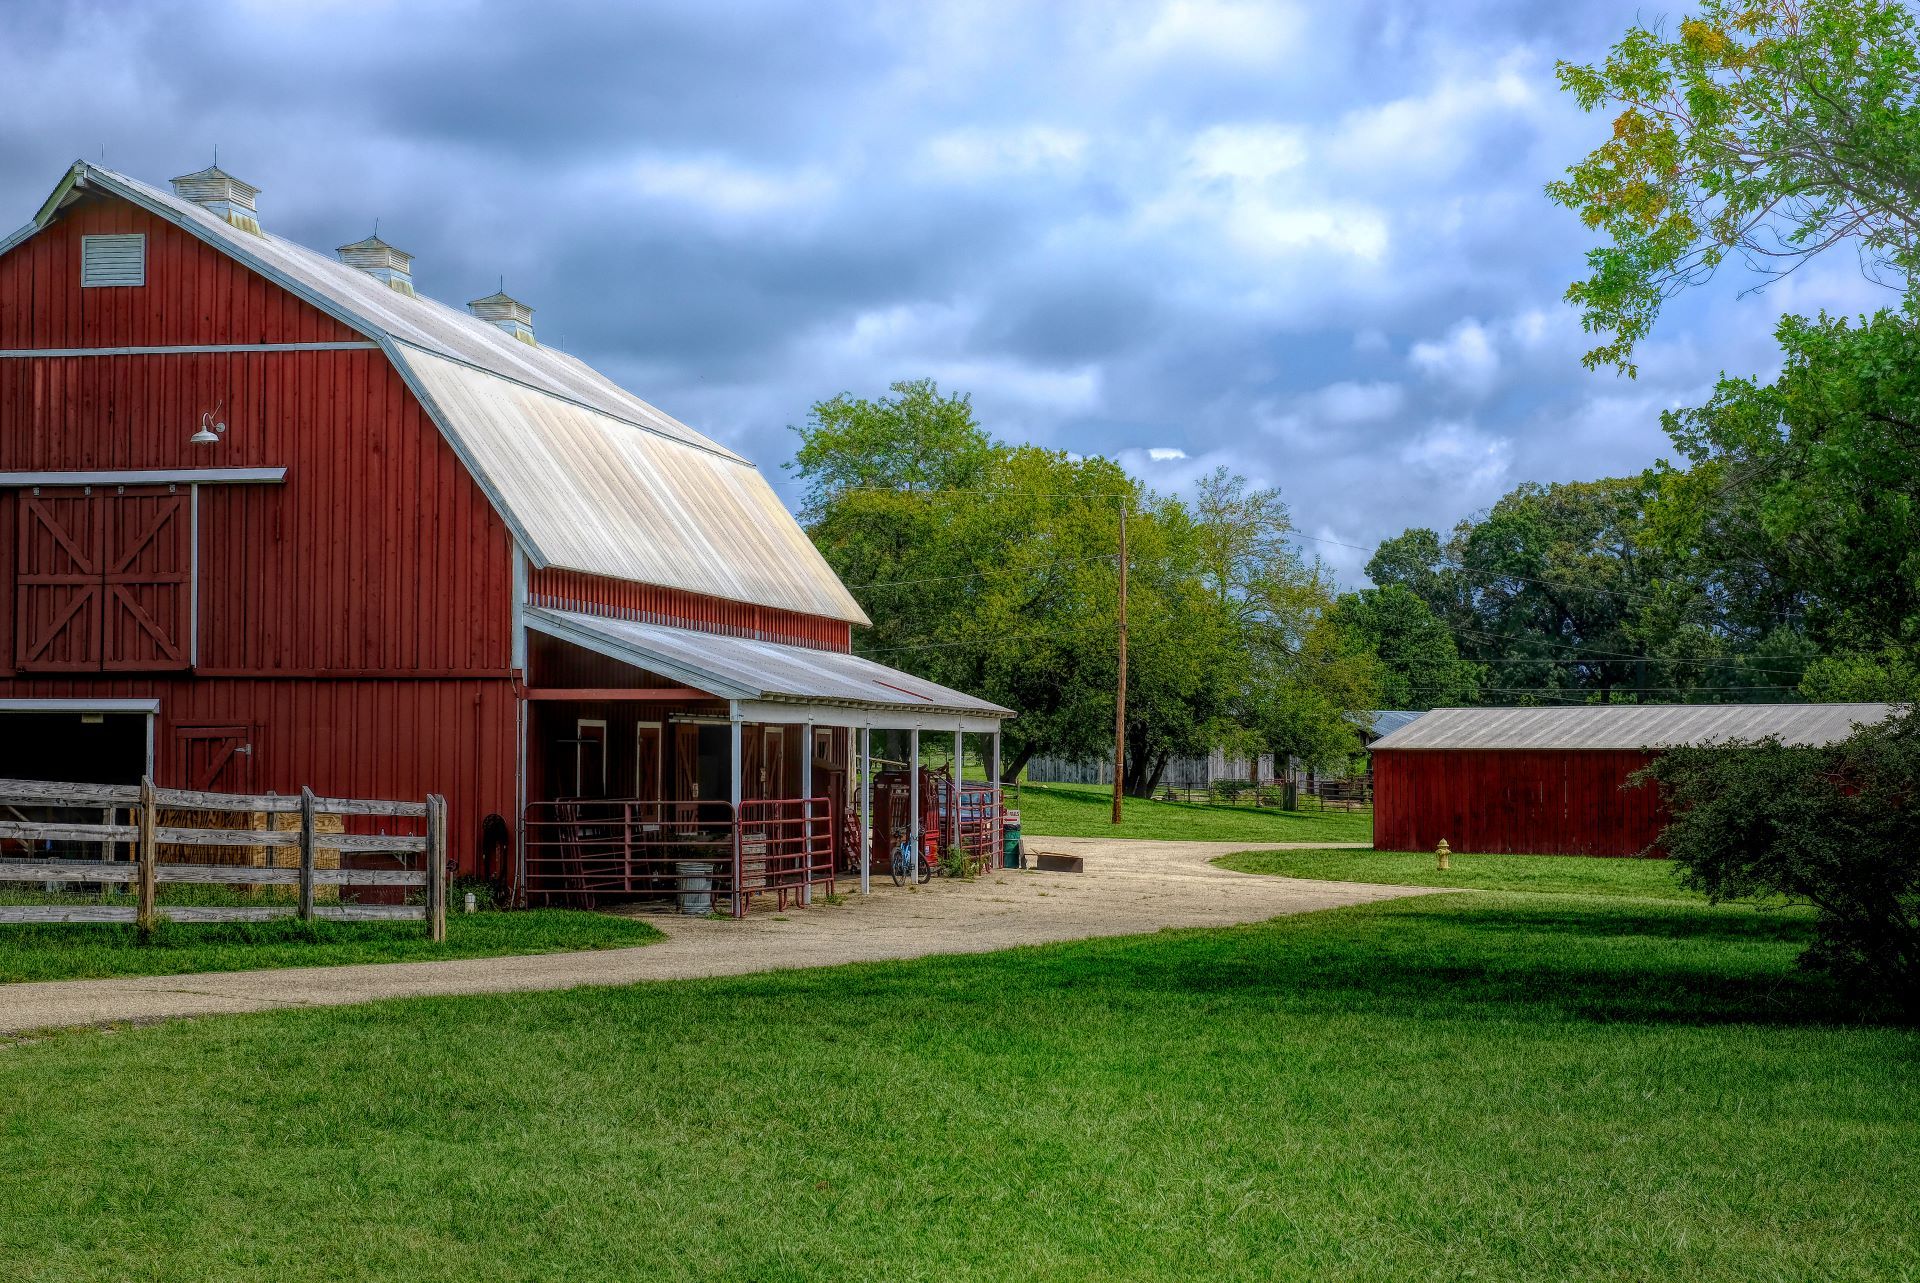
x: 1553, y: 781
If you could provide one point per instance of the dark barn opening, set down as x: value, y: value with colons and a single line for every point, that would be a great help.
x: 85, y: 748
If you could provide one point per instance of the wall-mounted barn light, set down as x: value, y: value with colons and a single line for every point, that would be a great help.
x: 211, y: 427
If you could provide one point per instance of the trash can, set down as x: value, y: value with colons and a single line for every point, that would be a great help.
x: 696, y: 885
x: 1011, y: 854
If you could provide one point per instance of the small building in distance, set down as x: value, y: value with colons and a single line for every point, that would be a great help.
x: 1553, y: 781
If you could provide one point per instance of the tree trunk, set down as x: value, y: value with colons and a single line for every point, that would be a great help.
x: 1010, y: 770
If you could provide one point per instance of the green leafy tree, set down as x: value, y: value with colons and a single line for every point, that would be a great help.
x: 1837, y: 828
x: 1419, y: 665
x: 1769, y: 130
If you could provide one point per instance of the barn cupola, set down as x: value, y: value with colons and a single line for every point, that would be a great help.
x: 222, y: 195
x: 507, y: 312
x: 392, y: 267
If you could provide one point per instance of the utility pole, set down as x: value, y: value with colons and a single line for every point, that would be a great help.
x: 1120, y: 688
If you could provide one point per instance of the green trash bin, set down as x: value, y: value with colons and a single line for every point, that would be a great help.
x: 1012, y: 857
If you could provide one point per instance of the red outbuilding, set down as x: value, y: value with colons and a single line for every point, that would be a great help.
x: 1553, y: 781
x: 271, y: 519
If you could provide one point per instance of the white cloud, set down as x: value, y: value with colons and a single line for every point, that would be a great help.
x: 1350, y: 403
x: 969, y: 155
x: 1257, y: 153
x: 1473, y: 464
x: 1165, y: 454
x: 1465, y: 358
x: 719, y: 186
x: 1221, y: 31
x: 1432, y: 134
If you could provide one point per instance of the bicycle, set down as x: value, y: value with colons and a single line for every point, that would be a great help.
x: 909, y: 862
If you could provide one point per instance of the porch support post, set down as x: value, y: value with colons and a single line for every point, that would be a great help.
x: 806, y: 809
x: 999, y: 857
x: 913, y: 801
x: 733, y: 797
x: 959, y: 778
x: 866, y: 809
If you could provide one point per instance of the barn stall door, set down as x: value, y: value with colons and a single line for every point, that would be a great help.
x: 216, y: 759
x: 59, y: 583
x: 104, y: 581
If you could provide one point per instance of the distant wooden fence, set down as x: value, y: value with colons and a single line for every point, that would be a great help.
x: 145, y: 871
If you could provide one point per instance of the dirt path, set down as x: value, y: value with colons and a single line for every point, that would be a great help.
x: 1129, y: 887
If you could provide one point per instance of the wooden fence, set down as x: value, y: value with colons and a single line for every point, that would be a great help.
x: 146, y: 835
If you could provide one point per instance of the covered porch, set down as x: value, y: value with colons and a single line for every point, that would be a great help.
x: 703, y: 771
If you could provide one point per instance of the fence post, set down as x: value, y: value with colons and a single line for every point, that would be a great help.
x: 144, y: 912
x: 306, y: 853
x: 436, y: 867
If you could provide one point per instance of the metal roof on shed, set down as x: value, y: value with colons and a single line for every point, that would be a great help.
x: 747, y: 669
x: 1630, y: 726
x: 588, y: 476
x: 1385, y: 721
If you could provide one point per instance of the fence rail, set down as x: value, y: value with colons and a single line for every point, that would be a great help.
x: 145, y: 872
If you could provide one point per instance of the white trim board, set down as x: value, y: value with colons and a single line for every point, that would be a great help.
x: 79, y: 705
x: 185, y: 349
x: 149, y: 477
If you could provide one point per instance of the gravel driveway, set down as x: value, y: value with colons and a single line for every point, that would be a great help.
x: 1129, y: 887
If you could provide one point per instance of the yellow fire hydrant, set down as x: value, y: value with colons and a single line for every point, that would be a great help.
x: 1441, y: 853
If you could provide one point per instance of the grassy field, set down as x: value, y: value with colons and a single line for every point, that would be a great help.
x: 1086, y: 811
x: 1475, y: 1086
x: 1568, y: 874
x: 67, y: 952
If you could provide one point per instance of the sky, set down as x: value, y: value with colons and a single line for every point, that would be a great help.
x: 1306, y: 241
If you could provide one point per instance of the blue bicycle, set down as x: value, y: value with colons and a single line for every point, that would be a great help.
x: 908, y: 864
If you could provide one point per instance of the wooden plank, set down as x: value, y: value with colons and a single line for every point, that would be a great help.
x: 367, y: 806
x: 225, y: 912
x: 195, y: 800
x: 58, y: 831
x: 66, y: 871
x: 392, y: 844
x: 306, y: 852
x: 371, y: 912
x: 147, y: 852
x: 226, y: 837
x: 24, y: 913
x: 57, y: 794
x: 241, y: 874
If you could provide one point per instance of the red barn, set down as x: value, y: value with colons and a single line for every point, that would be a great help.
x: 1553, y: 781
x: 269, y: 518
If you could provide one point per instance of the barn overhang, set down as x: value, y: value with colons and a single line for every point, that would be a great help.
x: 765, y: 681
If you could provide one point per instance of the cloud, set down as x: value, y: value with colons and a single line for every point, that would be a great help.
x: 1165, y: 454
x: 1465, y: 358
x: 714, y: 185
x: 971, y: 155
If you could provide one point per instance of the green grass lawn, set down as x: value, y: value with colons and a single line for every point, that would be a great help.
x: 1086, y: 811
x: 1569, y: 874
x: 67, y: 952
x: 1484, y: 1085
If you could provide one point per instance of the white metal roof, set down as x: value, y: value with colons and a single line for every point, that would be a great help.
x: 602, y: 482
x: 742, y: 668
x: 1630, y: 726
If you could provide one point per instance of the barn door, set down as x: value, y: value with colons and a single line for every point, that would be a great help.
x: 145, y: 581
x: 104, y: 581
x: 59, y: 583
x: 216, y: 759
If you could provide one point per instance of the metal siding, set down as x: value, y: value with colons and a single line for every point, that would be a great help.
x: 1514, y: 801
x: 1629, y: 726
x: 740, y: 668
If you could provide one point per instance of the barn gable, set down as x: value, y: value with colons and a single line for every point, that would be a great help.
x: 588, y: 477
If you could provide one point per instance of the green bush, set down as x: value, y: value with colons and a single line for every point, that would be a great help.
x: 1835, y: 827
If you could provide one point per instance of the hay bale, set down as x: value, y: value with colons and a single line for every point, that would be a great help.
x: 257, y: 857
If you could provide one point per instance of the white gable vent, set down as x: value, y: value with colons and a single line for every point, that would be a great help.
x: 113, y: 260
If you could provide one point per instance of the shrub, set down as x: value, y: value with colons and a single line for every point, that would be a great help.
x: 1835, y: 827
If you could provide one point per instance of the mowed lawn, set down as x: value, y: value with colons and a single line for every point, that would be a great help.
x: 1485, y: 1085
x: 1568, y: 874
x: 75, y: 951
x: 1086, y: 811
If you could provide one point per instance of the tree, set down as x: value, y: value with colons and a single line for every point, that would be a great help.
x: 1419, y: 665
x: 1771, y: 130
x: 915, y: 439
x: 1835, y: 827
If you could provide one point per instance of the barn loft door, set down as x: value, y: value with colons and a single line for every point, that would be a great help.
x: 105, y: 581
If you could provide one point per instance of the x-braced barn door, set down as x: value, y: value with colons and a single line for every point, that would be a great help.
x: 105, y: 580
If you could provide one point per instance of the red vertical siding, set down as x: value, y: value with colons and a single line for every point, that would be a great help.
x: 621, y: 599
x: 1544, y: 803
x: 357, y: 618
